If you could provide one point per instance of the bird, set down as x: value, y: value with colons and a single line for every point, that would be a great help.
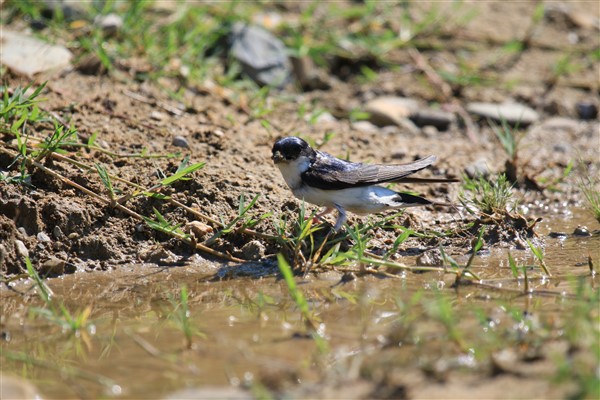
x: 325, y: 180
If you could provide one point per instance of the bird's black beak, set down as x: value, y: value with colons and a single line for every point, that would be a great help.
x: 277, y: 157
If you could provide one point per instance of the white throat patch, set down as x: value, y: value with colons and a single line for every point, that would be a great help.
x: 291, y: 171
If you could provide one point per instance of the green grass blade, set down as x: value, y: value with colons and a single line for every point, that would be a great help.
x: 182, y: 173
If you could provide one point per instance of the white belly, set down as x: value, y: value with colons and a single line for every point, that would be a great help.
x: 361, y: 200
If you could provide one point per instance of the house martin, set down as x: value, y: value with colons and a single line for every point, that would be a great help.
x: 322, y: 179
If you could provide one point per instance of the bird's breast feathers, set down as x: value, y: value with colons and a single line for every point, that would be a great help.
x: 359, y: 200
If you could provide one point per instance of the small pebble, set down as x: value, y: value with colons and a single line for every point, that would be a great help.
x: 180, y: 141
x: 582, y: 231
x: 432, y: 258
x: 430, y: 131
x: 478, y: 169
x: 586, y: 110
x: 199, y: 229
x: 52, y: 267
x: 21, y: 249
x: 253, y: 250
x: 558, y: 235
x: 110, y: 23
x: 348, y: 277
x: 58, y: 233
x: 432, y: 117
x: 158, y: 116
x: 512, y: 113
x: 560, y: 147
x: 43, y: 237
x: 365, y: 126
x: 390, y: 110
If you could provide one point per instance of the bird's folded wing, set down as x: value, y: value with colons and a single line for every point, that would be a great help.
x: 328, y: 175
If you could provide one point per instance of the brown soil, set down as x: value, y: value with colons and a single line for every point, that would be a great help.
x: 129, y: 116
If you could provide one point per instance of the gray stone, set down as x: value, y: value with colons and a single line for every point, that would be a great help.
x: 365, y: 126
x: 263, y: 57
x: 562, y: 147
x: 586, y: 110
x: 43, y: 237
x: 560, y: 124
x: 558, y: 235
x: 432, y: 117
x: 180, y: 141
x: 110, y: 23
x: 21, y: 249
x: 385, y: 111
x: 512, y: 113
x: 582, y: 231
x: 58, y: 233
x: 27, y: 55
x: 478, y: 169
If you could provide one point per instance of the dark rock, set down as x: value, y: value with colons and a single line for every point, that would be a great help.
x: 69, y: 10
x: 58, y: 233
x: 263, y: 57
x: 586, y: 110
x: 431, y: 117
x: 558, y: 235
x: 582, y: 231
x: 90, y: 64
x: 180, y: 141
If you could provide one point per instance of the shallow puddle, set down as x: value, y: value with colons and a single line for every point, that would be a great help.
x: 248, y: 333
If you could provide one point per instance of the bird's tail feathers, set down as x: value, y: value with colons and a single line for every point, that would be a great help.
x: 427, y: 180
x: 410, y: 200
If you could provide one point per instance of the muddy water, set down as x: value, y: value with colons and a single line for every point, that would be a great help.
x: 247, y: 333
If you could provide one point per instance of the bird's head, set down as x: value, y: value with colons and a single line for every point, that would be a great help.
x: 290, y: 149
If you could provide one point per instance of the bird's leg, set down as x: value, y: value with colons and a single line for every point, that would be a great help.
x: 319, y: 217
x: 340, y: 219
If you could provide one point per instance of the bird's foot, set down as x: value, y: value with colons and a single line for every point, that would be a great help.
x: 340, y: 219
x: 317, y: 219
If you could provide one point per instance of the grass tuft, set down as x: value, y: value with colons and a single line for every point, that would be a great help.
x: 589, y: 187
x: 487, y: 196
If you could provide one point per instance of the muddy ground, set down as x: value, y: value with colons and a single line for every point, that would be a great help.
x: 128, y: 116
x: 65, y: 230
